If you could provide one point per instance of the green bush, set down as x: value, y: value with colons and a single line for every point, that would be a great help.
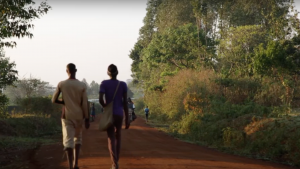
x: 240, y: 115
x: 29, y: 125
x: 39, y: 105
x: 3, y: 106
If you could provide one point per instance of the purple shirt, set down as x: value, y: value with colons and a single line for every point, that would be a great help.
x: 108, y: 87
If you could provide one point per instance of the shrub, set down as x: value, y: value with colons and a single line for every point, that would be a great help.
x: 242, y: 115
x: 39, y: 105
x: 28, y: 125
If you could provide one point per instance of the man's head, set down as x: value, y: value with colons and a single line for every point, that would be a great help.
x: 71, y: 69
x: 112, y: 70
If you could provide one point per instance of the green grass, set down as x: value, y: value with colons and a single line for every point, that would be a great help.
x: 28, y: 125
x: 23, y: 133
x: 19, y: 143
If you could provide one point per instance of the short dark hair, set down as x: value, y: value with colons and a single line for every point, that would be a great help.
x: 71, y: 67
x: 112, y: 70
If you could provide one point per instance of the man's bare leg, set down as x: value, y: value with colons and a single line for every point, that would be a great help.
x: 77, y: 151
x: 69, y: 152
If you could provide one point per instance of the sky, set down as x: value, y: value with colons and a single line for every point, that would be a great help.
x: 92, y: 34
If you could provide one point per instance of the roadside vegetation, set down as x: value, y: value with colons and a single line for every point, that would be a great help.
x: 224, y: 74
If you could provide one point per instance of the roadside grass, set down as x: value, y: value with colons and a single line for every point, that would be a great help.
x: 11, y: 144
x: 21, y: 134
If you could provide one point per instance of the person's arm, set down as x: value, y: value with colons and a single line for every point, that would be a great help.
x: 125, y: 106
x: 101, y: 99
x: 85, y: 109
x: 56, y: 95
x: 101, y: 94
x: 84, y: 105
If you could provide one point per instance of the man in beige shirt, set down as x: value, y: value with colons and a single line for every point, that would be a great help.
x: 74, y: 99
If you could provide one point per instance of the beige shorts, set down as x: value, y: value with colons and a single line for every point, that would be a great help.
x: 72, y: 132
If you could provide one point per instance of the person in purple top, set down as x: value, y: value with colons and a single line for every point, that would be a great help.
x: 107, y: 89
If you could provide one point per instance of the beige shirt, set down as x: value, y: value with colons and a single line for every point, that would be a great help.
x: 75, y: 98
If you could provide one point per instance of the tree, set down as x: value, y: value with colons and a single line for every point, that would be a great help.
x: 236, y: 50
x: 174, y: 13
x: 178, y: 47
x: 136, y: 56
x: 8, y: 75
x: 16, y: 17
x: 28, y: 88
x: 33, y: 87
x: 280, y: 60
x: 15, y: 21
x: 88, y: 91
x: 149, y: 28
x: 206, y: 15
x: 94, y: 87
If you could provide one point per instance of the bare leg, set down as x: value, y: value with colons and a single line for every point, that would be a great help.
x: 69, y: 152
x: 112, y: 146
x: 118, y: 138
x: 77, y: 151
x: 114, y: 140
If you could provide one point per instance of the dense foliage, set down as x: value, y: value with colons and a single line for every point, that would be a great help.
x: 16, y: 18
x: 218, y: 71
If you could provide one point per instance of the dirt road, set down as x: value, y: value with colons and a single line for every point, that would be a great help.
x: 144, y: 147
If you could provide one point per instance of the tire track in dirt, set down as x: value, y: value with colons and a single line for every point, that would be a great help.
x: 144, y: 147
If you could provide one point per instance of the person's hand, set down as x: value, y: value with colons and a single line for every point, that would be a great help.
x: 87, y: 123
x: 127, y: 123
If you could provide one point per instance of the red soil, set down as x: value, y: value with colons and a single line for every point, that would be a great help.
x: 144, y: 147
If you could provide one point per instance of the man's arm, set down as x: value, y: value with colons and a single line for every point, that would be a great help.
x: 84, y: 105
x: 85, y: 109
x: 125, y: 106
x: 56, y: 95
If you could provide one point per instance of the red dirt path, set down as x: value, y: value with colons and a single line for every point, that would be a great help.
x: 144, y: 147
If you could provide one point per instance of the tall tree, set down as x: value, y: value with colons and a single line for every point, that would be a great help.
x: 235, y: 52
x: 178, y: 47
x: 149, y: 28
x: 16, y: 18
x: 174, y: 13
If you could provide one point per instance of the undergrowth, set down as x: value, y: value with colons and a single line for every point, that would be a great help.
x: 246, y: 116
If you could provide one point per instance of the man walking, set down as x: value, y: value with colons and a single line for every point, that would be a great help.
x: 146, y: 112
x: 74, y: 99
